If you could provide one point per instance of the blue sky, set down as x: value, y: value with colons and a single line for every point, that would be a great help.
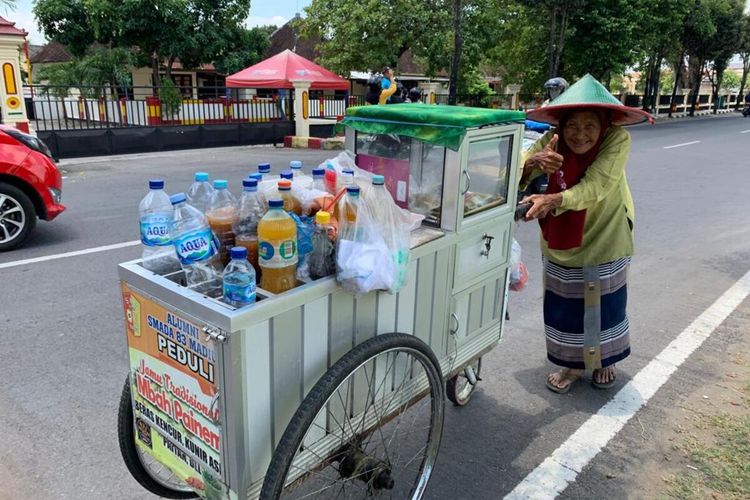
x: 262, y: 12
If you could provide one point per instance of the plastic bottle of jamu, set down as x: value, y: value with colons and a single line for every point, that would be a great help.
x: 296, y: 167
x: 156, y: 215
x: 291, y: 203
x: 199, y: 193
x: 348, y: 207
x: 252, y: 209
x: 319, y: 182
x: 222, y: 214
x: 196, y: 248
x: 321, y: 262
x: 239, y: 279
x: 277, y: 249
x: 264, y: 169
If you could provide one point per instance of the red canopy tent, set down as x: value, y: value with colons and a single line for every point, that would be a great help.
x: 277, y: 72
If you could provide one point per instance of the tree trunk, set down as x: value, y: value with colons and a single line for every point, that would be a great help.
x: 717, y: 89
x: 458, y: 43
x: 743, y: 81
x: 697, y: 80
x: 156, y: 79
x: 551, y: 45
x: 560, y: 40
x: 677, y: 80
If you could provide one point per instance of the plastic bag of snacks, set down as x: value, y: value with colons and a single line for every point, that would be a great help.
x: 363, y: 260
x: 519, y: 275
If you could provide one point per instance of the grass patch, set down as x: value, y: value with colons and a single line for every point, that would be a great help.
x: 719, y: 454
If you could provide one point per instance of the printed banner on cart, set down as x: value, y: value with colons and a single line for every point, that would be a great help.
x: 173, y: 380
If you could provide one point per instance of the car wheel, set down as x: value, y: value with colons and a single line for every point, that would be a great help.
x: 17, y: 216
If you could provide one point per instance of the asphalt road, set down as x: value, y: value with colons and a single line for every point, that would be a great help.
x: 63, y: 348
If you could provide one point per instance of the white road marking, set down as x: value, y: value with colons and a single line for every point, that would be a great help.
x: 561, y: 468
x: 744, y: 131
x: 680, y: 145
x: 105, y: 248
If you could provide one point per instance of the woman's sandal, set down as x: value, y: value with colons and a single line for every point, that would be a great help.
x: 603, y: 385
x: 571, y: 378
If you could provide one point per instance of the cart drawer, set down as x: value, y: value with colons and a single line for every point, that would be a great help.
x: 478, y: 309
x: 482, y: 250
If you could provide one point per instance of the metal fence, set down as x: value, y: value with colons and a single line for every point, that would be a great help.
x: 82, y: 108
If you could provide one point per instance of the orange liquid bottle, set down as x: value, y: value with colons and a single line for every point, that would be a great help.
x: 291, y: 203
x: 277, y: 249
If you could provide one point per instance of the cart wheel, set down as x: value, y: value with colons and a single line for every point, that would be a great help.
x: 371, y: 426
x: 153, y: 476
x: 459, y: 389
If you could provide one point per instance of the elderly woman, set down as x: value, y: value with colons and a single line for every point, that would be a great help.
x: 586, y: 217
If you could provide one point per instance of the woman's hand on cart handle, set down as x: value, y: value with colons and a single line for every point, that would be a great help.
x: 541, y: 204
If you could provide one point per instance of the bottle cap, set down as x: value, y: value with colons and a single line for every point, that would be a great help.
x: 348, y: 171
x: 264, y: 168
x: 285, y: 184
x: 275, y: 203
x: 295, y: 164
x: 317, y: 172
x: 220, y: 184
x: 322, y: 217
x: 352, y: 190
x: 257, y: 176
x: 287, y: 174
x: 177, y: 198
x: 201, y: 177
x: 238, y: 253
x: 156, y: 184
x: 378, y: 180
x: 250, y: 184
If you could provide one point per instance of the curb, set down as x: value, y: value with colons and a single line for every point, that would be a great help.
x: 297, y: 142
x: 709, y: 112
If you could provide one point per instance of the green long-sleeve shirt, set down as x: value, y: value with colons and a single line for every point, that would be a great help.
x: 604, y: 193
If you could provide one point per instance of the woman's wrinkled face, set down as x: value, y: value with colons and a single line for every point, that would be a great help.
x: 581, y: 131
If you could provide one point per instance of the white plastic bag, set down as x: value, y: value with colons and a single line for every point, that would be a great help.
x: 363, y: 260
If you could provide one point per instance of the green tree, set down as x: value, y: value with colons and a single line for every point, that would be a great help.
x: 66, y: 22
x: 603, y: 38
x: 730, y: 82
x: 158, y: 32
x: 518, y: 54
x: 744, y: 52
x: 658, y: 40
x: 699, y: 27
x: 727, y: 17
x: 370, y: 34
x: 249, y: 49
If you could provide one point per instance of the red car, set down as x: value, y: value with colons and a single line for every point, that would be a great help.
x: 30, y: 185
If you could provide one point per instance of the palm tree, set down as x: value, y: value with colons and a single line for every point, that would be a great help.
x: 8, y: 4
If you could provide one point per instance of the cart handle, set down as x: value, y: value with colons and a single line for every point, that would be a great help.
x: 468, y: 182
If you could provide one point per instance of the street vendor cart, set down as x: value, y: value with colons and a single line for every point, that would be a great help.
x: 316, y: 392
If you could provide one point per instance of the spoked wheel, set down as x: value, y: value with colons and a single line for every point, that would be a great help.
x: 152, y: 475
x: 370, y: 427
x: 460, y: 388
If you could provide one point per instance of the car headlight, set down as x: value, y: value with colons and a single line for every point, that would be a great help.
x: 31, y: 142
x: 56, y: 195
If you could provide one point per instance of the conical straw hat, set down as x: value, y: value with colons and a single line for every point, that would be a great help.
x: 588, y: 93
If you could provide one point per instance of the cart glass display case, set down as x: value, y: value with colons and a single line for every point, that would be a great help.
x: 487, y: 172
x: 413, y: 170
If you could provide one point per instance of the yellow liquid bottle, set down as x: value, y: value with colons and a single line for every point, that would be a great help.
x: 277, y: 249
